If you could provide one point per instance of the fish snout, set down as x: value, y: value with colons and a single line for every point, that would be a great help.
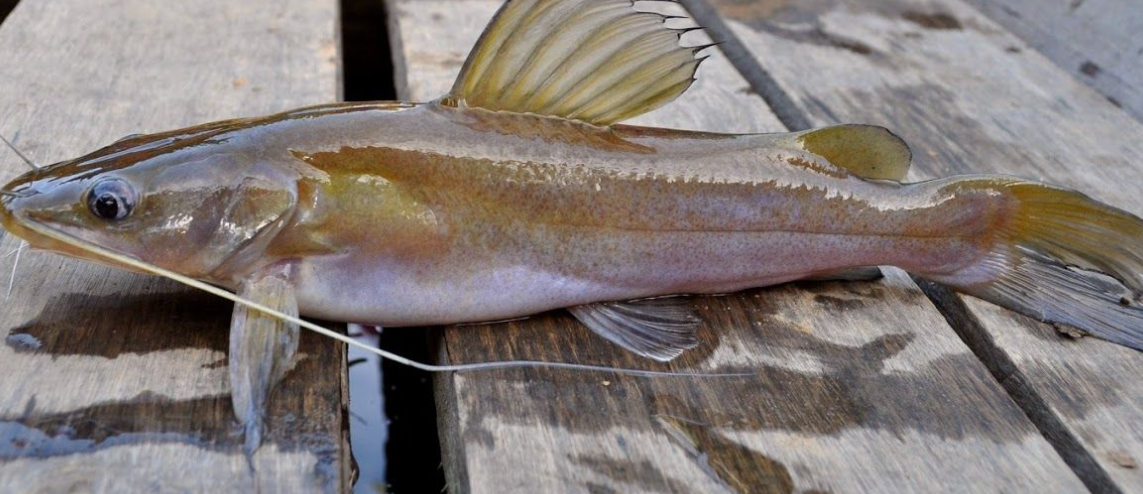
x: 9, y: 202
x: 19, y: 202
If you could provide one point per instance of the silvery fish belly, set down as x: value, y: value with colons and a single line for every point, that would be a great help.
x: 519, y: 192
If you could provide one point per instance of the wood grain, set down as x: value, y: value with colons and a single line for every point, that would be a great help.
x: 946, y: 78
x: 1097, y: 41
x: 858, y: 386
x: 114, y: 382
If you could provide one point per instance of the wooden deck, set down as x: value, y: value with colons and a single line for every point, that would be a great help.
x: 861, y: 386
x: 116, y: 383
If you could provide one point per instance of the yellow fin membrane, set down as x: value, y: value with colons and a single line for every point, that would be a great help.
x: 1048, y: 256
x: 597, y: 61
x: 867, y: 151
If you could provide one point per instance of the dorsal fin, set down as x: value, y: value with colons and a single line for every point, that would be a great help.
x: 598, y: 61
x: 867, y: 151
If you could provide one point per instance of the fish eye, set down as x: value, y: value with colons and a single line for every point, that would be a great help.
x: 111, y: 199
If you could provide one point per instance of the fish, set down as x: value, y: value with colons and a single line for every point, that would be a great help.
x: 521, y: 191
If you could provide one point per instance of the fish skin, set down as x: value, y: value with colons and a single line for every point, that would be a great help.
x: 430, y: 214
x: 485, y: 224
x: 413, y: 215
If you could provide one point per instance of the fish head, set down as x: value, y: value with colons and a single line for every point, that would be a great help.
x: 202, y: 201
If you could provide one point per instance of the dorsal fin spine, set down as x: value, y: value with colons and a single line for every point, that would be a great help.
x: 696, y: 49
x: 684, y: 30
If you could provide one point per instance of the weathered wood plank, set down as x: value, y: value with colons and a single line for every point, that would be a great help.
x: 947, y: 78
x: 114, y: 382
x: 859, y: 386
x: 1098, y: 41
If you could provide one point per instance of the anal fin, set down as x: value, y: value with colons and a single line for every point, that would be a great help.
x: 660, y: 328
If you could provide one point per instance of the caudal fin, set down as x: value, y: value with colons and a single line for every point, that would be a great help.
x: 1050, y: 258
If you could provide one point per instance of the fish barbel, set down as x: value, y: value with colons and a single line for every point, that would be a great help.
x: 519, y: 192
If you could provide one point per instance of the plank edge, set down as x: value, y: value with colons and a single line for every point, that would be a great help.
x: 952, y: 306
x: 448, y: 421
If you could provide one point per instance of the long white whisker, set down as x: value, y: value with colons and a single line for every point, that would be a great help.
x: 21, y: 155
x: 12, y: 252
x: 69, y: 239
x: 15, y: 263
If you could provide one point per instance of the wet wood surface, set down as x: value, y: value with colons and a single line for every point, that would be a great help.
x: 114, y: 382
x: 971, y: 97
x: 1098, y: 41
x: 855, y: 386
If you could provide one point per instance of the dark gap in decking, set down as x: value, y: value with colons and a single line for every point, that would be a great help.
x: 1005, y: 371
x: 966, y: 326
x: 413, y: 456
x: 367, y: 62
x: 6, y: 7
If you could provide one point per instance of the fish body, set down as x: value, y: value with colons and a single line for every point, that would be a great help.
x: 432, y: 215
x: 519, y: 191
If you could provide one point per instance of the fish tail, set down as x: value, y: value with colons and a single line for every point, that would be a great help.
x: 1057, y: 257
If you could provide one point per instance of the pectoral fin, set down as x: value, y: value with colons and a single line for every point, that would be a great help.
x: 867, y: 151
x: 598, y: 61
x: 262, y: 349
x: 659, y: 328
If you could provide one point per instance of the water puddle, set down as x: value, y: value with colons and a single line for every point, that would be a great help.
x: 368, y: 427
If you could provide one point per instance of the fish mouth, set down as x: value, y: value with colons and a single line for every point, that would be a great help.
x: 16, y: 223
x: 15, y: 218
x: 9, y: 200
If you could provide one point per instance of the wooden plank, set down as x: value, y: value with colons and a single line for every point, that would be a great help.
x: 859, y: 386
x: 942, y: 75
x: 114, y: 382
x: 1097, y: 41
